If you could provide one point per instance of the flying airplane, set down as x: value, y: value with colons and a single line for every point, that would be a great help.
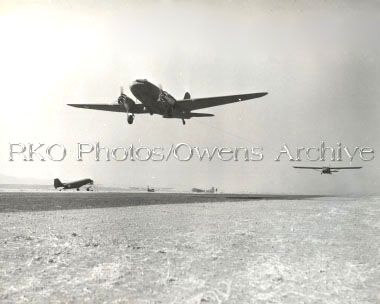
x: 154, y: 100
x: 73, y: 185
x: 326, y: 170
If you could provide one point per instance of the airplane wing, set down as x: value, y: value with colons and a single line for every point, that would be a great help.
x: 201, y: 103
x: 299, y: 167
x: 333, y: 168
x: 137, y: 108
x: 342, y: 168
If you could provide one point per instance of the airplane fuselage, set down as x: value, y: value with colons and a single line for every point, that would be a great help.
x: 73, y: 185
x: 326, y: 170
x: 155, y: 100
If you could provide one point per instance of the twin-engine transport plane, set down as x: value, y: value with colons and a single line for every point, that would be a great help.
x: 327, y: 170
x: 74, y: 185
x: 154, y: 100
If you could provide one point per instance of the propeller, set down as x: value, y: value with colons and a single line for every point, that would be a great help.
x: 127, y: 104
x: 122, y: 96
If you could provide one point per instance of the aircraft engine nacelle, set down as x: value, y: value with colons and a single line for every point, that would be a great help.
x: 166, y: 97
x: 171, y: 101
x: 127, y: 102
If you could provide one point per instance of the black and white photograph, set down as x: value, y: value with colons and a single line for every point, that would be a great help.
x: 195, y: 152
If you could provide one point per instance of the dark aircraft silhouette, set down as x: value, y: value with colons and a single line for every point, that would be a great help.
x: 73, y: 185
x: 327, y: 170
x: 211, y: 190
x: 150, y: 189
x: 154, y: 100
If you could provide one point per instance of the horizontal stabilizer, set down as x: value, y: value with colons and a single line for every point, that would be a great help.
x: 201, y: 115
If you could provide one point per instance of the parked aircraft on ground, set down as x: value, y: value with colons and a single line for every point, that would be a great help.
x: 149, y: 189
x: 211, y: 190
x: 74, y: 185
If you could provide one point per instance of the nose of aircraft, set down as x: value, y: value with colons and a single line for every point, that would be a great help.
x: 137, y: 87
x: 143, y: 89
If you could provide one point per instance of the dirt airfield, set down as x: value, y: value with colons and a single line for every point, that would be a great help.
x: 316, y: 250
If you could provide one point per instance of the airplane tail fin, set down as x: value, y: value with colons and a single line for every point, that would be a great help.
x: 57, y: 183
x: 187, y: 95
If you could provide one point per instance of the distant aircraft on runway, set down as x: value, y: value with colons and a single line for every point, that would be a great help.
x: 154, y: 100
x: 74, y: 185
x: 150, y: 189
x: 211, y: 190
x: 327, y: 170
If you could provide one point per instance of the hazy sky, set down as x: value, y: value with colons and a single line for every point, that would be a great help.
x: 319, y: 62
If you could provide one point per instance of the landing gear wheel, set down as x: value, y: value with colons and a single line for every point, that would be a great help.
x: 130, y: 119
x: 183, y: 121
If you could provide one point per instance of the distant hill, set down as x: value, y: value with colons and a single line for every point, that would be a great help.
x: 43, y: 188
x: 12, y: 183
x: 12, y: 180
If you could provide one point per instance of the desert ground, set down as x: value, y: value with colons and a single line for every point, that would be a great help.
x: 310, y: 250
